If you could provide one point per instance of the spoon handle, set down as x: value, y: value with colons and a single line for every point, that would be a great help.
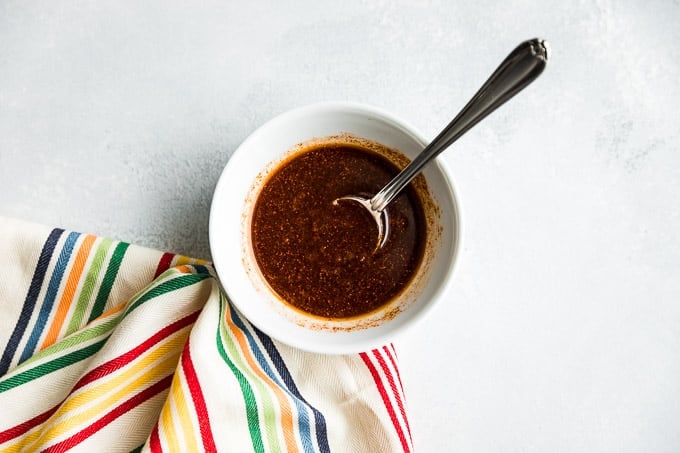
x: 519, y: 69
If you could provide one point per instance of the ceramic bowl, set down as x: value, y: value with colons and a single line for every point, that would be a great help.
x: 232, y: 206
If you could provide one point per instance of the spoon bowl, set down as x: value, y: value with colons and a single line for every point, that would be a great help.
x: 381, y: 218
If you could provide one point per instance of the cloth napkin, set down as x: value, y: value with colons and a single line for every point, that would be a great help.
x: 108, y: 346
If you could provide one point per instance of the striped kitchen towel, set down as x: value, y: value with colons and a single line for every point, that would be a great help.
x: 108, y: 346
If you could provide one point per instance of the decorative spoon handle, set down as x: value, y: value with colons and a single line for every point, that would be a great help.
x: 519, y: 69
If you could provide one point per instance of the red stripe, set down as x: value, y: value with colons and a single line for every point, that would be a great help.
x: 164, y: 264
x: 386, y: 401
x: 99, y: 372
x: 18, y: 430
x: 199, y: 400
x: 393, y: 386
x: 155, y: 441
x: 122, y: 360
x: 394, y: 364
x: 121, y: 409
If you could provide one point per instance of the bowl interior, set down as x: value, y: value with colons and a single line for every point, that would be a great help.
x: 258, y: 154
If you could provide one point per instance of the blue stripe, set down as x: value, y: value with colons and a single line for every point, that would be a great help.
x: 50, y: 295
x: 303, y: 418
x: 29, y: 302
x: 201, y: 269
x: 277, y: 360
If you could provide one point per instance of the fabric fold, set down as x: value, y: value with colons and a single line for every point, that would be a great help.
x: 108, y: 346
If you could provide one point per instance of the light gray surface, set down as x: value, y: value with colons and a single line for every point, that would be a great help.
x: 562, y: 327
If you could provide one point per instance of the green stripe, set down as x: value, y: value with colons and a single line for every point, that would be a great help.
x: 251, y: 404
x: 181, y: 281
x: 48, y: 367
x: 173, y: 284
x: 269, y: 411
x: 88, y: 287
x: 109, y: 278
x: 81, y: 337
x: 138, y: 449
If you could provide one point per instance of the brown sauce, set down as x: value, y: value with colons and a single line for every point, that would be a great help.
x: 318, y: 256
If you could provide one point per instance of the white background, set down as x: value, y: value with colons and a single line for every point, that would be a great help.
x: 561, y: 331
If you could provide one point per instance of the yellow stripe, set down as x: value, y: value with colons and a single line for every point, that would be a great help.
x: 168, y: 426
x: 172, y: 344
x: 181, y: 260
x: 154, y: 374
x: 12, y: 448
x: 180, y: 399
x: 169, y: 351
x: 20, y: 441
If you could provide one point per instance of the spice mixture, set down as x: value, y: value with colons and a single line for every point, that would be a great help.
x: 319, y: 256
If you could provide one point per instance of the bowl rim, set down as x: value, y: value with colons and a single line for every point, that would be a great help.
x: 359, y: 344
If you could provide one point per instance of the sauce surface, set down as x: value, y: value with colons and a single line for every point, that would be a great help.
x: 318, y: 256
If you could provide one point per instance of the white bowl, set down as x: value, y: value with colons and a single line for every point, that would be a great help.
x: 232, y: 206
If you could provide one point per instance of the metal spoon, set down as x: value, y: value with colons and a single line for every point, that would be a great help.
x: 519, y: 69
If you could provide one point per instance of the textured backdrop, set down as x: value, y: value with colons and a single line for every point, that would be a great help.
x: 562, y: 325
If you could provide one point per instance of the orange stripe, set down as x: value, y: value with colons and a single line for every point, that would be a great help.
x: 111, y: 311
x: 69, y: 291
x: 183, y: 269
x: 286, y: 415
